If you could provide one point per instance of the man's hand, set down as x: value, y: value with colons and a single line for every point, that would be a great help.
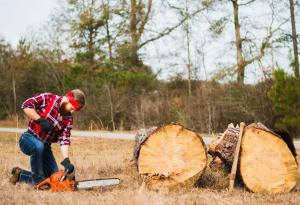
x: 69, y: 167
x: 45, y: 125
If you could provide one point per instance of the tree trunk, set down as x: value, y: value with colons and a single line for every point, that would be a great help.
x: 238, y: 43
x: 139, y: 17
x: 111, y: 108
x: 294, y: 38
x: 169, y: 155
x: 108, y: 38
x: 134, y: 33
x: 15, y: 94
x: 188, y: 43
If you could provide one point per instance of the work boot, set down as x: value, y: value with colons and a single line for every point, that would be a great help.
x: 16, y: 171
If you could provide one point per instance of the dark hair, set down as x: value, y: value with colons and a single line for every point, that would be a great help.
x: 79, y: 96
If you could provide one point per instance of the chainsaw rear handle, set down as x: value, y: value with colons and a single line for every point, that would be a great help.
x: 45, y: 182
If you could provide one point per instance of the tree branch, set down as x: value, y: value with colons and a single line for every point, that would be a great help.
x: 244, y: 4
x: 170, y: 29
x: 264, y: 45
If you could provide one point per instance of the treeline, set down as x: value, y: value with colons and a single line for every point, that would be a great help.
x: 126, y: 100
x: 99, y: 47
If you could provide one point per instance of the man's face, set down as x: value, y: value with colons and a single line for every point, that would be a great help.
x: 66, y: 108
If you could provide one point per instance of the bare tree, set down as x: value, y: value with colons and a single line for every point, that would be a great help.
x: 242, y: 62
x: 294, y: 38
x: 188, y: 44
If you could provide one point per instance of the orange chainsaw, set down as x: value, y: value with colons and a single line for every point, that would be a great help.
x: 60, y: 182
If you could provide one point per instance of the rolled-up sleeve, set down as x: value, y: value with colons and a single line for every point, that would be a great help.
x: 64, y: 137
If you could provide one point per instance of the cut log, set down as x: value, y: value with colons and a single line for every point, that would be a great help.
x: 170, y: 155
x: 266, y: 162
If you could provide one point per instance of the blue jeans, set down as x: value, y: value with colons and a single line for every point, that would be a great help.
x: 42, y: 161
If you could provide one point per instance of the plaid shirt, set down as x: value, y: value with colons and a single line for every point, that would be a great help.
x: 62, y: 124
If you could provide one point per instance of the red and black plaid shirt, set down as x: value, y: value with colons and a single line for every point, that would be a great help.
x: 62, y: 124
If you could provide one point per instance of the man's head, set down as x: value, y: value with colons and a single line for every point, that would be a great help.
x: 73, y: 101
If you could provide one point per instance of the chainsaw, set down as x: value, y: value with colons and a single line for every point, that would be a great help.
x: 60, y: 182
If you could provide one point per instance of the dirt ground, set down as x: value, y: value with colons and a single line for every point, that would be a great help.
x: 96, y: 158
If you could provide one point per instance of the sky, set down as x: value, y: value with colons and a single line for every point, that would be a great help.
x: 17, y: 17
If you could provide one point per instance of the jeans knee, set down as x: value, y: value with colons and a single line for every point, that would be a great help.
x: 26, y: 146
x: 39, y: 148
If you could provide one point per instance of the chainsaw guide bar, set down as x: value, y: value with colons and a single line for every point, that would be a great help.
x: 89, y: 184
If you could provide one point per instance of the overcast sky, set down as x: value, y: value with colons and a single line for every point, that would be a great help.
x: 20, y: 17
x: 17, y: 17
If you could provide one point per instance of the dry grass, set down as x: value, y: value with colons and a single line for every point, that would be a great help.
x: 95, y: 158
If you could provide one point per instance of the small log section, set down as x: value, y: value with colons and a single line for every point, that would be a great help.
x: 266, y: 163
x: 224, y: 147
x: 170, y: 155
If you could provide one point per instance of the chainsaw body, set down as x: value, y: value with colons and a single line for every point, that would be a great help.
x: 57, y: 183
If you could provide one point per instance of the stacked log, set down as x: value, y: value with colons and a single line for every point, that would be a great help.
x: 225, y: 145
x: 266, y: 161
x: 170, y: 155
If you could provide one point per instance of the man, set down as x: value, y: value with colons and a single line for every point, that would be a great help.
x: 50, y: 121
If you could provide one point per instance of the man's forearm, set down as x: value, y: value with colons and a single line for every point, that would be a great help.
x: 64, y: 151
x: 31, y: 113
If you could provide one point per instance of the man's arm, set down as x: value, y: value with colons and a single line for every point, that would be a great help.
x: 64, y: 151
x: 31, y: 104
x: 69, y: 167
x: 31, y: 113
x: 64, y: 140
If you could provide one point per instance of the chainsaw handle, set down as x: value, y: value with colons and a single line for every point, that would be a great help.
x: 64, y: 176
x: 46, y: 181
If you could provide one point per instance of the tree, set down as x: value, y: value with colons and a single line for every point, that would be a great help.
x: 249, y: 46
x: 242, y: 62
x: 139, y: 16
x: 85, y: 19
x: 294, y: 38
x: 285, y: 96
x: 7, y: 88
x: 141, y: 33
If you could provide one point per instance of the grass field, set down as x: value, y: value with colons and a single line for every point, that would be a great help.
x: 96, y: 158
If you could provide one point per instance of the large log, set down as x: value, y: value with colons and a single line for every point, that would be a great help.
x: 170, y: 155
x: 267, y: 160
